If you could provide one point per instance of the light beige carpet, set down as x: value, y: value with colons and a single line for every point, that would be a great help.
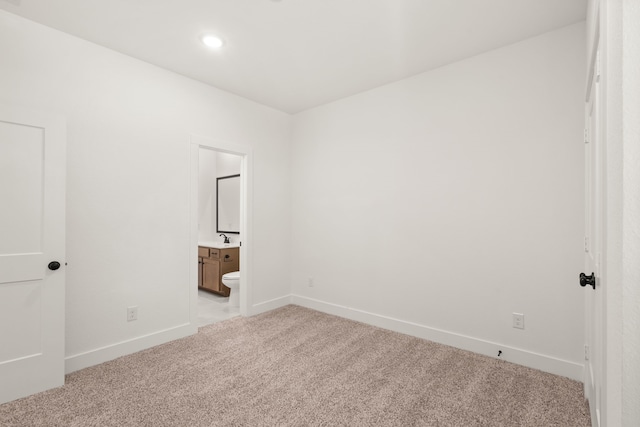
x: 298, y: 367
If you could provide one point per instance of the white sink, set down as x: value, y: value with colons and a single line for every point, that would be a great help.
x: 218, y: 245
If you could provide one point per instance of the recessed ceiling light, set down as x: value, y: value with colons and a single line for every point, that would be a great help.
x: 213, y: 42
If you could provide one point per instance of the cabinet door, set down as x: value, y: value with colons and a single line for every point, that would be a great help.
x: 229, y: 260
x: 211, y: 275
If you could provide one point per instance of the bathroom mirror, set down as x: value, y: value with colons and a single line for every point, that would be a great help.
x: 228, y: 204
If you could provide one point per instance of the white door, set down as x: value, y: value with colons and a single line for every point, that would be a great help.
x: 32, y: 235
x: 594, y: 172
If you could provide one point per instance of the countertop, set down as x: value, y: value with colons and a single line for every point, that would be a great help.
x: 218, y: 245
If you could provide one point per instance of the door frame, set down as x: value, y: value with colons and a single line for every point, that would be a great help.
x: 594, y: 244
x: 620, y: 38
x: 246, y: 219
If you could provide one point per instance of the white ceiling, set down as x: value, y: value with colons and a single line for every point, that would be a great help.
x: 296, y: 54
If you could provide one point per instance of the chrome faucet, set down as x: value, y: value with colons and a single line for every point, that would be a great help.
x: 226, y: 239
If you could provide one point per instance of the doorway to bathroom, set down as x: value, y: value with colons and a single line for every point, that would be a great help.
x: 220, y: 213
x: 218, y: 234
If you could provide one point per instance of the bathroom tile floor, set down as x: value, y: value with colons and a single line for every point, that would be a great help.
x: 213, y: 308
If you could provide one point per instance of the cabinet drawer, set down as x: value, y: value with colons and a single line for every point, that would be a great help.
x: 205, y: 252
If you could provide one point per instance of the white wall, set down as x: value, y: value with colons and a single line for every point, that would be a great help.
x: 228, y: 164
x: 128, y: 181
x: 207, y: 174
x: 213, y: 164
x: 443, y: 203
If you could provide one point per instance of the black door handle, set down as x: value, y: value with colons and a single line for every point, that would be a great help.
x: 588, y: 280
x: 54, y: 265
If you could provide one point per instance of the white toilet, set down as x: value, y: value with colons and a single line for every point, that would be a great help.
x: 232, y: 281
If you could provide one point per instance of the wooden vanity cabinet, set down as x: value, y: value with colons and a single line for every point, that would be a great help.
x: 212, y: 264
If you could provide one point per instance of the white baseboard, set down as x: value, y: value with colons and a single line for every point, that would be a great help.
x: 265, y: 306
x: 542, y: 362
x: 589, y: 393
x: 110, y: 352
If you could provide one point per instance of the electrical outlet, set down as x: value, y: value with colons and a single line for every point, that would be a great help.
x: 310, y: 282
x: 518, y: 320
x: 132, y: 313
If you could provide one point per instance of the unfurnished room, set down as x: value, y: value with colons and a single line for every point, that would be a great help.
x: 320, y: 213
